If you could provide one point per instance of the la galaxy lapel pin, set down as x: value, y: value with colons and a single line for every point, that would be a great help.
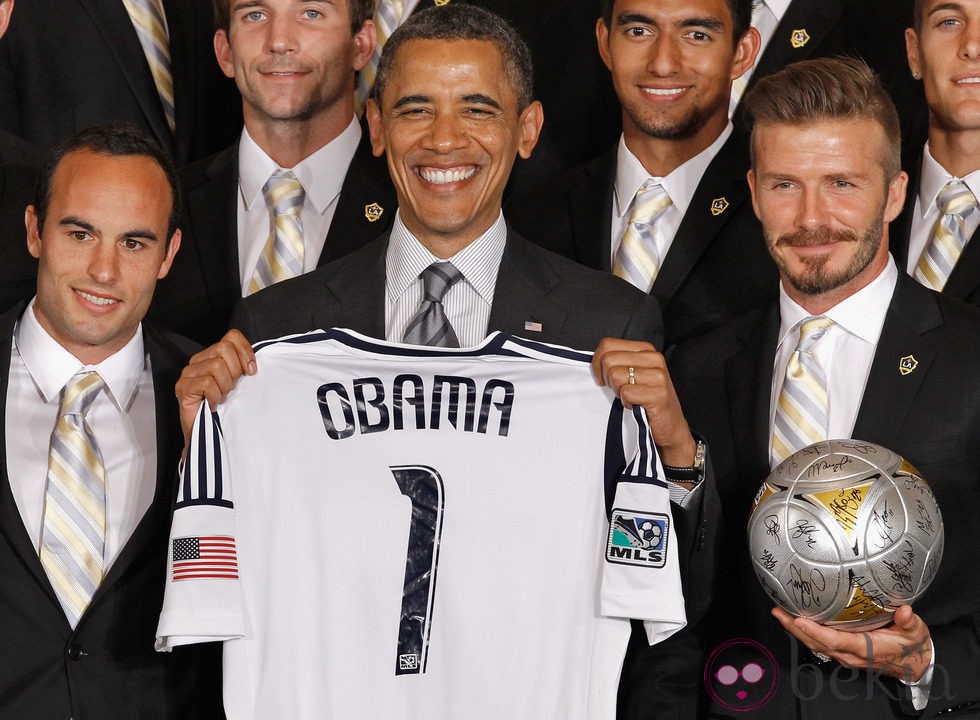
x: 718, y: 206
x: 907, y: 364
x: 440, y: 3
x: 799, y: 38
x: 373, y: 212
x: 531, y: 326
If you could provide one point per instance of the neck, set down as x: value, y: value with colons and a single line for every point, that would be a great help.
x: 288, y: 142
x: 958, y: 151
x: 661, y: 156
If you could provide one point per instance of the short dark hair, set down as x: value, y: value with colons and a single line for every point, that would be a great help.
x: 741, y: 11
x: 360, y: 11
x: 459, y: 21
x: 917, y: 15
x: 838, y: 88
x: 114, y: 140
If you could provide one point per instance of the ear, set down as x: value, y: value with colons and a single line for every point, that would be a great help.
x: 746, y: 51
x: 365, y: 41
x: 912, y: 52
x: 6, y: 10
x: 33, y: 235
x: 896, y: 196
x: 222, y: 51
x: 531, y: 121
x: 373, y: 114
x: 171, y: 253
x: 602, y: 40
x: 750, y: 178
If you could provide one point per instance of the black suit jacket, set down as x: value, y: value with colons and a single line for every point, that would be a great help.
x: 717, y: 267
x: 18, y: 269
x: 964, y: 281
x: 106, y: 667
x: 873, y: 30
x: 197, y: 296
x: 69, y: 64
x: 930, y: 416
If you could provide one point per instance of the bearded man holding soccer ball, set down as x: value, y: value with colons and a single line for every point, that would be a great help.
x: 889, y: 362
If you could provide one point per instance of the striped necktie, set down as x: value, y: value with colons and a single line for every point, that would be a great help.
x: 430, y: 326
x: 387, y: 18
x: 937, y: 261
x: 73, y: 534
x: 637, y: 260
x: 282, y: 256
x: 151, y: 28
x: 801, y: 412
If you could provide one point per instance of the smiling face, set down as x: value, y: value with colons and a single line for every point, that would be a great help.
x: 294, y: 60
x: 451, y: 128
x: 672, y: 64
x: 946, y: 53
x: 101, y: 251
x: 821, y: 192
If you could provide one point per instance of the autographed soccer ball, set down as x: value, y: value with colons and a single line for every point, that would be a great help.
x: 843, y: 532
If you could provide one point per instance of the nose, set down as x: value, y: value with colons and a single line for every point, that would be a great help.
x: 812, y: 210
x: 664, y: 56
x: 447, y: 132
x: 104, y: 262
x: 970, y: 45
x: 280, y: 37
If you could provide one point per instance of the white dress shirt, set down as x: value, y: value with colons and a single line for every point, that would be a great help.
x: 766, y: 16
x: 680, y: 185
x: 322, y: 177
x: 467, y: 303
x: 932, y: 180
x: 122, y: 418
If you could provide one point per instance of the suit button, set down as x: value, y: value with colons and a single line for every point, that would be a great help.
x: 75, y: 651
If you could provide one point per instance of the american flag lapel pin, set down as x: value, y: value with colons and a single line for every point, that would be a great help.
x: 532, y: 326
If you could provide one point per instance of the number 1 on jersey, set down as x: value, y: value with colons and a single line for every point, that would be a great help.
x: 423, y: 486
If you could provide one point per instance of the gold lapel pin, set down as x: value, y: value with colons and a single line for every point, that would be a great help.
x: 373, y: 212
x: 907, y: 364
x: 718, y: 206
x: 799, y: 38
x: 440, y: 3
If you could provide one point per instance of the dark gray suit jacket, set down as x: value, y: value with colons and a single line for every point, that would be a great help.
x: 106, y: 667
x: 930, y: 416
x: 717, y: 267
x: 18, y: 269
x: 197, y: 296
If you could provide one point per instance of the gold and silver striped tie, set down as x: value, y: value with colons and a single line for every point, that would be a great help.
x: 801, y: 411
x: 637, y: 260
x: 151, y: 28
x: 73, y: 533
x: 937, y: 261
x: 282, y: 256
x: 387, y: 18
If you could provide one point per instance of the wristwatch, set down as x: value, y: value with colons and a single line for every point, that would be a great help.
x: 693, y: 474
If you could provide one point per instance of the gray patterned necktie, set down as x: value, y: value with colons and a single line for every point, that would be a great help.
x: 430, y: 326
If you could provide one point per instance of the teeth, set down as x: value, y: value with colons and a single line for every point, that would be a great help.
x: 96, y: 300
x: 441, y: 177
x: 969, y: 81
x: 663, y: 91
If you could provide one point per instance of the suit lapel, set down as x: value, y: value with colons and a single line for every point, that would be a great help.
x: 722, y: 187
x: 113, y: 21
x: 964, y: 281
x: 912, y: 313
x: 520, y: 294
x: 359, y: 291
x: 816, y: 19
x: 590, y: 207
x: 214, y: 209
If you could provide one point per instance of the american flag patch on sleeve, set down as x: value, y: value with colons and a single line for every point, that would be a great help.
x: 211, y: 556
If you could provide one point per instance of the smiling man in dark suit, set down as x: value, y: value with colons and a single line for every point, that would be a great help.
x: 87, y: 488
x: 294, y: 63
x: 697, y: 252
x: 888, y: 362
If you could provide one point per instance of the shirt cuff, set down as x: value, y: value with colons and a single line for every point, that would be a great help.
x: 921, y: 687
x: 680, y: 495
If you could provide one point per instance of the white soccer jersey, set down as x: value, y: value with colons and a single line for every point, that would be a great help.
x: 393, y: 532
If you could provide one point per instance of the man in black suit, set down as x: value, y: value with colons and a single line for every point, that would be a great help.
x: 672, y: 65
x: 296, y: 79
x: 453, y: 110
x: 897, y: 365
x: 77, y: 639
x: 50, y: 92
x: 941, y: 53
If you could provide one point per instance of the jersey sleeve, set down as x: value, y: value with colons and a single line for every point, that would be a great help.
x: 641, y: 575
x: 202, y: 600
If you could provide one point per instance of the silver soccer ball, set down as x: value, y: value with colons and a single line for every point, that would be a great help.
x: 843, y: 532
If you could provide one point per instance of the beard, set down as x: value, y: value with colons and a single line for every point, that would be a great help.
x: 816, y: 278
x: 669, y: 129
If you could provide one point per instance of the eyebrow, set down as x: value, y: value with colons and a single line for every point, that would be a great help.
x: 72, y: 221
x: 709, y: 23
x: 479, y: 98
x: 947, y: 6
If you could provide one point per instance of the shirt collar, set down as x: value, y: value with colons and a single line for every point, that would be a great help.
x: 777, y: 7
x: 680, y: 184
x: 934, y: 178
x: 862, y: 314
x: 316, y: 172
x: 51, y: 366
x: 478, y: 262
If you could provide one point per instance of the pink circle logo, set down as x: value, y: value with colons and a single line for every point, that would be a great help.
x: 741, y: 675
